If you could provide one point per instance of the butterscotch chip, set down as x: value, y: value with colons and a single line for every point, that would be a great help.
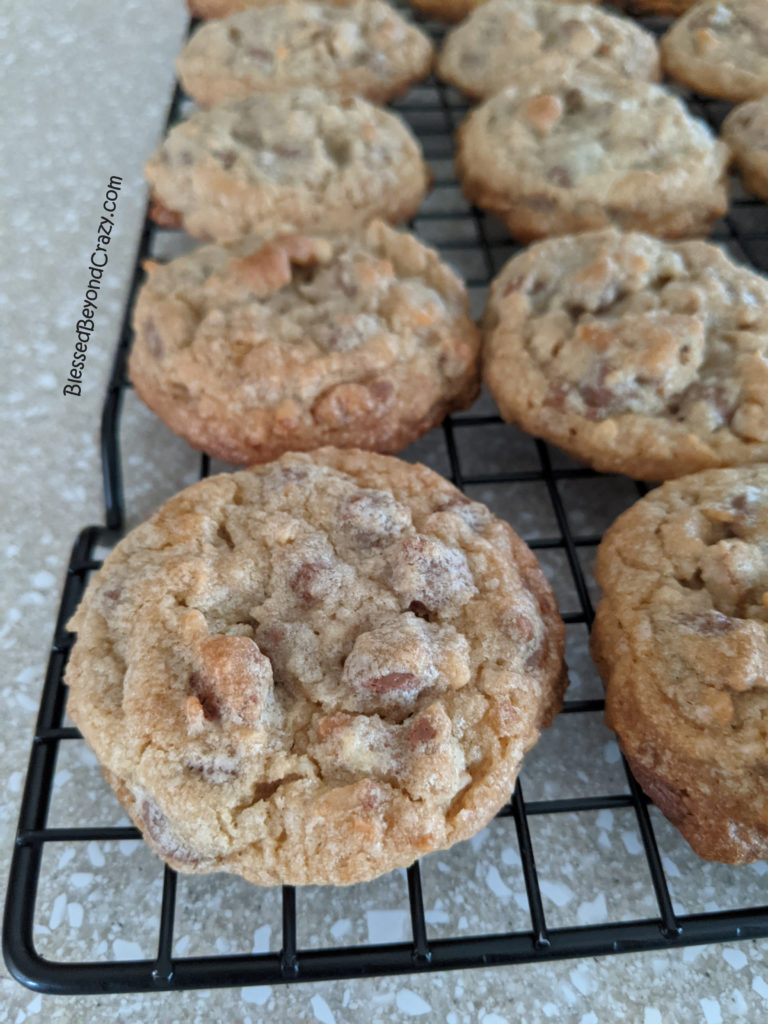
x: 621, y: 152
x: 745, y: 130
x: 361, y: 341
x: 364, y: 49
x: 298, y: 160
x: 681, y: 640
x: 317, y: 670
x: 487, y: 51
x: 635, y: 355
x: 720, y: 48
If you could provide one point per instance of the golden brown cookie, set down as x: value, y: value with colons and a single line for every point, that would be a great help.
x: 363, y: 49
x: 644, y: 8
x: 720, y: 48
x: 446, y: 10
x: 300, y: 160
x: 745, y: 130
x: 489, y: 49
x: 681, y: 640
x: 223, y: 8
x: 360, y: 341
x: 317, y: 670
x: 635, y: 355
x: 589, y: 148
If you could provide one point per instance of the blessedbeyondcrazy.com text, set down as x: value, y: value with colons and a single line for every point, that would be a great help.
x: 99, y: 259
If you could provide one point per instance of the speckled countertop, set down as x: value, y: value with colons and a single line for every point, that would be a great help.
x: 85, y: 87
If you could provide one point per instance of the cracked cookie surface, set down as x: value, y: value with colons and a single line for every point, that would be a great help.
x: 316, y: 670
x: 361, y: 341
x: 298, y: 160
x: 363, y: 49
x: 635, y: 355
x: 488, y: 50
x: 720, y: 48
x: 681, y: 640
x: 745, y: 130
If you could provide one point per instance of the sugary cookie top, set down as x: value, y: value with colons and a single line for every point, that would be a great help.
x: 303, y: 328
x: 336, y: 633
x: 365, y: 48
x: 686, y: 573
x: 720, y: 47
x: 302, y: 136
x: 501, y: 37
x: 591, y: 134
x: 288, y: 161
x: 612, y: 327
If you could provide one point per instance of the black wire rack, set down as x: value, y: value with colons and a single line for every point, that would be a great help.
x: 434, y: 111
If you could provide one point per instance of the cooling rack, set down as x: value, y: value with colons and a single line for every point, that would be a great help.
x: 479, y: 246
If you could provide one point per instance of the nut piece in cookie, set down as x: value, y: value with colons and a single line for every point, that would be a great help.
x: 316, y: 670
x: 503, y: 37
x: 681, y: 640
x: 720, y: 48
x: 586, y: 148
x: 635, y: 355
x: 364, y: 48
x: 360, y: 340
x: 294, y: 160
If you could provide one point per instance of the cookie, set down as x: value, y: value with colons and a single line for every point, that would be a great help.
x: 365, y: 49
x: 745, y: 130
x: 223, y: 8
x: 316, y: 670
x: 487, y: 51
x: 587, y: 149
x: 644, y: 8
x: 681, y: 640
x: 720, y: 48
x: 359, y: 341
x: 446, y: 10
x: 634, y: 355
x: 298, y: 160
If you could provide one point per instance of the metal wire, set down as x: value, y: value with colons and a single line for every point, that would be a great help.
x: 538, y: 942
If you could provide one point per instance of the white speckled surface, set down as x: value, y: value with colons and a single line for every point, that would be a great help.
x: 69, y: 122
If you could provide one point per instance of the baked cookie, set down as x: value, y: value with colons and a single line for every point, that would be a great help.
x: 365, y: 49
x: 292, y: 161
x: 746, y: 132
x: 637, y: 356
x: 317, y: 670
x: 590, y: 148
x: 446, y: 10
x: 720, y: 48
x: 223, y: 8
x: 361, y: 341
x: 681, y: 640
x: 487, y: 51
x: 643, y: 8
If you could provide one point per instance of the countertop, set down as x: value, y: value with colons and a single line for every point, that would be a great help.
x: 86, y: 86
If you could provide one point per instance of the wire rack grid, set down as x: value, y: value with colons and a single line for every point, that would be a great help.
x: 557, y: 492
